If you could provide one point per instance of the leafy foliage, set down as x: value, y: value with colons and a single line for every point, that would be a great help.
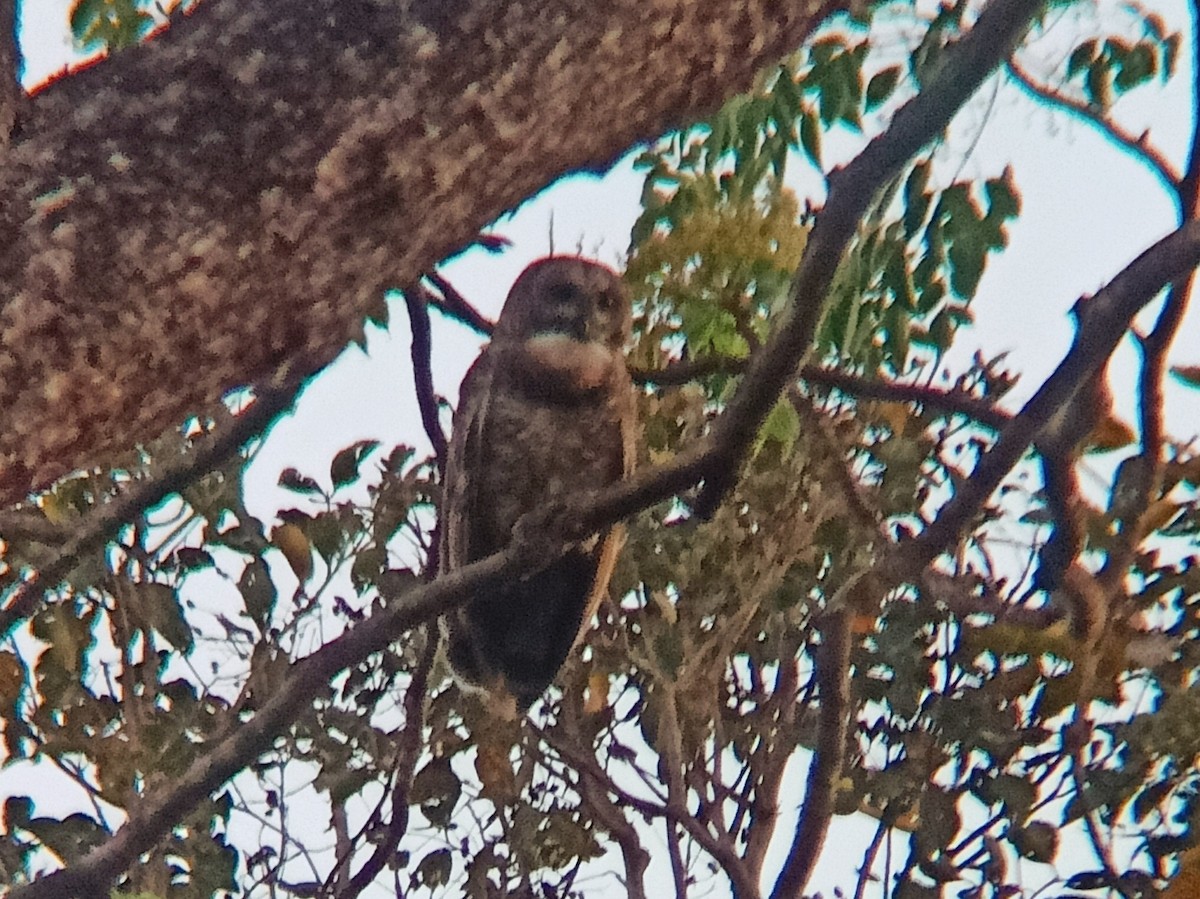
x: 988, y: 726
x: 110, y: 24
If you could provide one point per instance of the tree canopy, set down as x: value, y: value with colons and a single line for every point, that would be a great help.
x: 859, y: 581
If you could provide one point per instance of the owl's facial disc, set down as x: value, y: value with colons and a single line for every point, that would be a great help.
x: 567, y: 312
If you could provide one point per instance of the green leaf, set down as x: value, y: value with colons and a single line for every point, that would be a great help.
x: 70, y: 838
x: 1097, y: 85
x: 161, y: 610
x: 1137, y: 67
x: 258, y: 592
x: 810, y: 136
x: 436, y: 789
x: 435, y: 868
x: 1004, y: 199
x: 291, y: 479
x: 881, y: 85
x: 1081, y: 58
x: 782, y: 426
x: 17, y: 812
x: 916, y: 198
x: 967, y: 258
x: 190, y: 558
x: 245, y: 537
x: 346, y: 464
x: 367, y: 567
x: 1036, y: 841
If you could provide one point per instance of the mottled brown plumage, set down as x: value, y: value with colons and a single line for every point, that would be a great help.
x: 546, y: 412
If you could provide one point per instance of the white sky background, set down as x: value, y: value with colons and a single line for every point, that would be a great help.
x: 1088, y: 209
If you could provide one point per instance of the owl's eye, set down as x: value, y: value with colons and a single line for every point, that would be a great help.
x: 563, y: 293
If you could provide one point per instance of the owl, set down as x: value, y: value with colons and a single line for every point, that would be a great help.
x: 546, y: 412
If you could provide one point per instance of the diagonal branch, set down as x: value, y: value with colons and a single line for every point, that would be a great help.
x: 851, y: 190
x: 1102, y: 321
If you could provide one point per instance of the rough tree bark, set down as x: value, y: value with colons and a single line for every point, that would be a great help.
x: 231, y: 198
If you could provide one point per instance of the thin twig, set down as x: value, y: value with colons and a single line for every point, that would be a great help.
x: 455, y: 305
x: 409, y: 750
x: 864, y: 873
x: 958, y: 402
x: 417, y: 300
x: 764, y: 808
x: 1139, y: 146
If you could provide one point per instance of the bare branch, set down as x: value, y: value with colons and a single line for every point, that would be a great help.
x: 1139, y: 146
x: 956, y: 402
x: 417, y: 299
x: 765, y: 807
x: 408, y: 751
x: 1102, y: 322
x: 455, y: 305
x: 833, y: 661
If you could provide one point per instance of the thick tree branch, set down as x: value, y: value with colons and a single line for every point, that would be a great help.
x: 851, y: 190
x: 181, y: 218
x: 11, y: 95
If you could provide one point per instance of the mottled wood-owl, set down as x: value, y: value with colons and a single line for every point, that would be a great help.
x: 545, y: 413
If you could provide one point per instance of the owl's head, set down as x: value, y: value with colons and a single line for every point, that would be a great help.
x: 567, y: 296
